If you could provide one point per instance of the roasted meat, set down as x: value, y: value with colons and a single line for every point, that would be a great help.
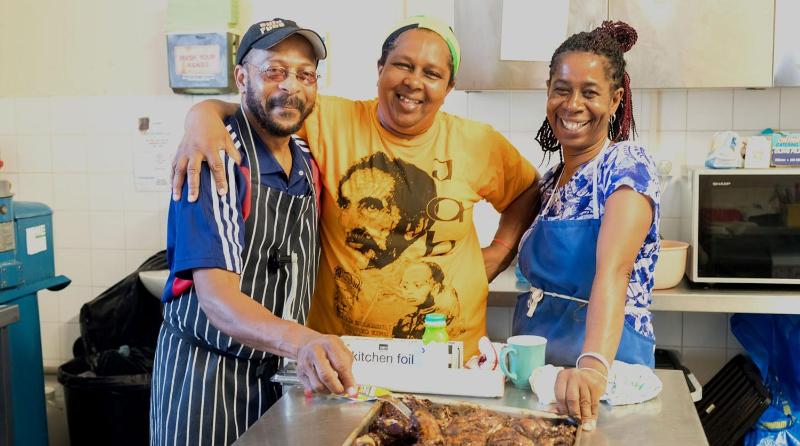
x: 429, y: 433
x: 443, y: 424
x: 368, y: 439
x: 507, y: 436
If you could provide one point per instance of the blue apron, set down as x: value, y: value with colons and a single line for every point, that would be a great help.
x: 558, y: 259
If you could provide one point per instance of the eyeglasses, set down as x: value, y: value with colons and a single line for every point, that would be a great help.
x: 279, y: 74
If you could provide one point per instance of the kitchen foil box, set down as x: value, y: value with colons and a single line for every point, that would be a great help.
x: 408, y: 365
x: 405, y: 352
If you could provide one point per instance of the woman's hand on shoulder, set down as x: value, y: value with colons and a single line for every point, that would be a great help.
x: 205, y: 135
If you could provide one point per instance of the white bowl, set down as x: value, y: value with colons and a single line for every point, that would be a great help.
x: 154, y: 281
x: 671, y: 264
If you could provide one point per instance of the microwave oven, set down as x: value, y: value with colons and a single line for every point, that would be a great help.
x: 744, y: 226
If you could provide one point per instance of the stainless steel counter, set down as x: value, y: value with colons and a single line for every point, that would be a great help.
x: 669, y: 419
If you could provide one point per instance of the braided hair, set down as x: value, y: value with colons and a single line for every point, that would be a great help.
x: 611, y: 40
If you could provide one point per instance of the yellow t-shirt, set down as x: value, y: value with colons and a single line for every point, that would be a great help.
x: 398, y: 240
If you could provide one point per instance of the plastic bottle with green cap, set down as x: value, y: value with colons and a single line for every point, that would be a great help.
x: 435, y: 329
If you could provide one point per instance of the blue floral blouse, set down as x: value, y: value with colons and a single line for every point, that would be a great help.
x: 623, y: 164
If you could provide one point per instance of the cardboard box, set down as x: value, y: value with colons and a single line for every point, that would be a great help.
x: 786, y: 149
x: 405, y: 352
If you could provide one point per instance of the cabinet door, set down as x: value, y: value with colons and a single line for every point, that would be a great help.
x: 478, y: 28
x: 699, y: 43
x: 786, y: 71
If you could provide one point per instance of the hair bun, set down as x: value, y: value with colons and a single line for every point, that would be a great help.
x: 623, y: 33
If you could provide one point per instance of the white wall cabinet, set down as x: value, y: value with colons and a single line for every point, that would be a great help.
x: 699, y: 44
x: 682, y: 43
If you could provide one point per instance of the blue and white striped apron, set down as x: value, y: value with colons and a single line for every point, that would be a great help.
x: 208, y: 389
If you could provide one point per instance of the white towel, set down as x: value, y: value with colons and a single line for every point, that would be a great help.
x: 627, y: 384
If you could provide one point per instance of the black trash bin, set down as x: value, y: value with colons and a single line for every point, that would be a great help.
x: 105, y: 410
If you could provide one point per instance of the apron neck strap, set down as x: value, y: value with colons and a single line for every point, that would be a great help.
x: 595, y: 207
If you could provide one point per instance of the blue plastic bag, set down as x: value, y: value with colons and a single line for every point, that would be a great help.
x: 773, y: 343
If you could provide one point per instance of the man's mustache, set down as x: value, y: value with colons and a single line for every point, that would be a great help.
x: 286, y: 102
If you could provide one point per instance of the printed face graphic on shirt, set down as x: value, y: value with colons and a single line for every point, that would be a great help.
x: 418, y: 284
x: 383, y: 206
x: 424, y: 290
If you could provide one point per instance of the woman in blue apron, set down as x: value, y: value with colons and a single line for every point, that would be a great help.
x: 590, y: 253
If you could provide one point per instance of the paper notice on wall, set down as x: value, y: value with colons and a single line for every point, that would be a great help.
x: 532, y: 29
x: 197, y: 62
x: 152, y: 159
x: 36, y: 239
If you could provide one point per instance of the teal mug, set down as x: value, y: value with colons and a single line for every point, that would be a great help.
x: 523, y: 353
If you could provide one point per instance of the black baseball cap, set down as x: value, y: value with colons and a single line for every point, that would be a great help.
x: 266, y: 34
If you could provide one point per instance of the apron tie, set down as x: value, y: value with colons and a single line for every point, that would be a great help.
x: 536, y: 295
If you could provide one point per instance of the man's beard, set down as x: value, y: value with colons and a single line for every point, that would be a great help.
x: 266, y: 122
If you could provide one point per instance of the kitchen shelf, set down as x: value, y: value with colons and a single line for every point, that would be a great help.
x: 728, y: 298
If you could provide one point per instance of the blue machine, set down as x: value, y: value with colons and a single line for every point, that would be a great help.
x: 26, y: 266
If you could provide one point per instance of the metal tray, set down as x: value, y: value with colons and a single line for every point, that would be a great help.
x: 363, y: 426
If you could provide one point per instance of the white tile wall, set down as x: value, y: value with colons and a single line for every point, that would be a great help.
x: 71, y: 229
x: 70, y: 153
x: 756, y: 109
x: 7, y: 124
x: 70, y: 191
x: 790, y: 111
x: 456, y: 103
x: 109, y: 153
x: 672, y: 110
x: 106, y: 191
x: 34, y: 153
x: 709, y: 110
x: 527, y: 111
x: 107, y: 230
x: 32, y: 116
x: 81, y: 165
x: 643, y: 112
x: 48, y: 307
x: 108, y: 266
x: 64, y: 117
x: 75, y: 264
x: 142, y: 230
x: 490, y: 107
x: 35, y: 187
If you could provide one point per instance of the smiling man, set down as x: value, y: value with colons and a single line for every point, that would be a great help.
x: 243, y: 265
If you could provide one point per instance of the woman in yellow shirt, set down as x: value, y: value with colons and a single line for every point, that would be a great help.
x: 401, y: 179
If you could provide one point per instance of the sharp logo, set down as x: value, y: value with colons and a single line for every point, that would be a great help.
x: 720, y: 183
